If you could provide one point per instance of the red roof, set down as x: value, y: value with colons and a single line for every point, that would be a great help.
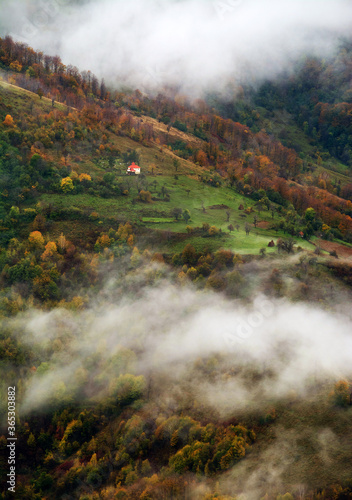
x: 133, y: 167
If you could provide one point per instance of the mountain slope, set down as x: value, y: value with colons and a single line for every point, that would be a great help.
x: 176, y: 334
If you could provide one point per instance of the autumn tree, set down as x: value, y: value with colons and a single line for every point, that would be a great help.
x: 39, y: 223
x: 16, y: 66
x: 124, y: 232
x: 84, y: 177
x: 50, y: 251
x: 36, y: 239
x: 223, y: 258
x: 145, y: 196
x: 45, y: 286
x: 102, y: 242
x: 213, y: 231
x: 341, y: 394
x: 67, y: 185
x: 9, y: 122
x: 189, y: 255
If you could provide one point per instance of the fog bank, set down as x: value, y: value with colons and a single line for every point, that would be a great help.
x: 171, y: 332
x: 194, y: 45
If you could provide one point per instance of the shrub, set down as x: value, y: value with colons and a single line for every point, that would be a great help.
x: 341, y: 394
x: 145, y: 196
x: 213, y: 231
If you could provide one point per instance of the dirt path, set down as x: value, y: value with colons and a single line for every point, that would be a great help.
x: 174, y: 132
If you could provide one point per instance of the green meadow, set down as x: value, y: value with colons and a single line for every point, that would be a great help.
x: 217, y: 207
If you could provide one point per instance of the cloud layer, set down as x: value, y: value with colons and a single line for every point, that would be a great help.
x: 171, y: 330
x: 191, y: 44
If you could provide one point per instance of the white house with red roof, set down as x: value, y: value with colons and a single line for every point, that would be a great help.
x: 133, y: 169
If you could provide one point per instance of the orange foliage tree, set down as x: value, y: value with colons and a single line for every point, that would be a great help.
x: 36, y: 239
x: 8, y: 121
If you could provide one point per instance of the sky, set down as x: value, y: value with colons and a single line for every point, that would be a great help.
x: 194, y: 45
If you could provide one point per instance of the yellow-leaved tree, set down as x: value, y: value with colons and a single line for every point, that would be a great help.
x: 62, y: 243
x: 9, y: 122
x: 50, y: 251
x: 85, y: 177
x: 36, y: 239
x: 67, y: 185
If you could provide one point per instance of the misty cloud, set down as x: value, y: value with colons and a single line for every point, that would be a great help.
x: 191, y: 44
x: 168, y: 330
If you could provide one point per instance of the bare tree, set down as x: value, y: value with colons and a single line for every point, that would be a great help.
x: 285, y: 245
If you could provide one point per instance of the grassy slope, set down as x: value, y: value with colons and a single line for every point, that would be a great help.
x: 156, y: 215
x: 157, y: 164
x: 160, y: 158
x: 22, y: 99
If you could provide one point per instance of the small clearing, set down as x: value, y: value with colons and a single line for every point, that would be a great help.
x: 263, y: 224
x: 330, y: 246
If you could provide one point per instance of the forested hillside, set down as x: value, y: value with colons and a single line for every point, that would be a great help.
x: 117, y: 290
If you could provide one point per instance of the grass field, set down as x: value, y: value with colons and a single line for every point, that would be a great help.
x: 185, y: 193
x: 24, y: 99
